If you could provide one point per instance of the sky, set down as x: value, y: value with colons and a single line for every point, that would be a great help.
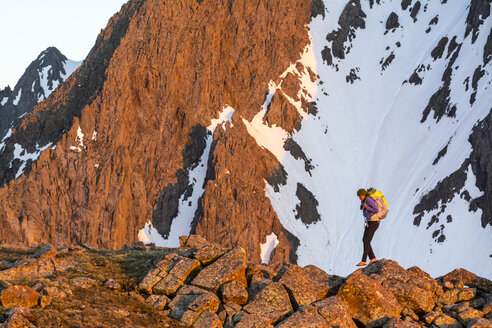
x: 27, y: 27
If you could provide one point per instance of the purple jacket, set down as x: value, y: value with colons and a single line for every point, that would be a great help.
x: 371, y: 208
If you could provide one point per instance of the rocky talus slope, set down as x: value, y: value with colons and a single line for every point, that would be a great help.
x: 202, y: 284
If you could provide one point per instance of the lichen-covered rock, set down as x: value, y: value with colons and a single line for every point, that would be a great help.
x: 398, y: 323
x: 305, y: 317
x: 450, y: 296
x: 271, y: 302
x: 231, y: 266
x: 158, y: 302
x: 300, y: 289
x: 466, y: 316
x: 388, y: 269
x: 208, y: 319
x: 190, y: 302
x: 19, y: 295
x: 410, y: 296
x: 466, y: 294
x: 430, y: 316
x: 262, y: 270
x: 193, y: 241
x: 209, y: 253
x: 445, y: 321
x: 335, y: 312
x: 468, y: 278
x: 234, y: 292
x: 368, y: 301
x: 177, y: 275
x: 318, y: 278
x: 480, y: 322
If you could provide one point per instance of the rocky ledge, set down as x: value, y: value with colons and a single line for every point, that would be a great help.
x: 202, y: 284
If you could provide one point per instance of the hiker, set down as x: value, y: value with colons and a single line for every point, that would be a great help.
x: 373, y: 208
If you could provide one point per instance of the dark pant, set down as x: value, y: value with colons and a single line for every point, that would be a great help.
x: 371, y: 228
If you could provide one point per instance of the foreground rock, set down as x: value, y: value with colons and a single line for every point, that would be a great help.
x: 204, y: 285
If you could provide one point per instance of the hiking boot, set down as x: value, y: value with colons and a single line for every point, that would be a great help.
x: 361, y: 263
x: 373, y: 260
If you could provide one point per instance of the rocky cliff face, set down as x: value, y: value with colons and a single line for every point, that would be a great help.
x: 202, y: 284
x: 125, y: 128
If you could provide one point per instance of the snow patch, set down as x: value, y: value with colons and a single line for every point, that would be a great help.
x: 70, y: 66
x: 268, y: 247
x: 79, y: 139
x: 4, y: 101
x: 21, y: 154
x: 94, y: 136
x: 149, y: 235
x: 181, y: 224
x: 16, y: 100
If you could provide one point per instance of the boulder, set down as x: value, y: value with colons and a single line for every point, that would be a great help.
x: 209, y: 253
x: 168, y: 261
x: 112, y: 284
x: 19, y: 295
x: 468, y: 278
x: 398, y: 323
x: 178, y: 273
x: 193, y: 241
x: 388, y: 269
x: 410, y: 296
x: 318, y: 278
x: 334, y: 311
x: 445, y: 321
x: 53, y: 292
x: 300, y: 289
x: 466, y: 294
x: 430, y: 316
x: 450, y: 296
x: 190, y: 302
x: 231, y: 266
x: 467, y: 316
x: 207, y: 319
x: 305, y: 317
x: 246, y: 320
x: 422, y: 279
x: 260, y: 270
x: 18, y: 318
x: 84, y: 282
x: 158, y: 302
x: 480, y: 322
x: 271, y: 301
x: 368, y: 301
x: 234, y: 292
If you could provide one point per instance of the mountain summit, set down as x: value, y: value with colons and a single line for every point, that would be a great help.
x: 39, y: 80
x: 254, y: 124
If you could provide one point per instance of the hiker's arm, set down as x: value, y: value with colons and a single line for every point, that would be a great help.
x: 371, y: 206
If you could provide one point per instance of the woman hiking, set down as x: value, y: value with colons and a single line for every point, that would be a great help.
x: 372, y: 212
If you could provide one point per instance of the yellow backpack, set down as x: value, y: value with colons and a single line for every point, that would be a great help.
x: 373, y: 193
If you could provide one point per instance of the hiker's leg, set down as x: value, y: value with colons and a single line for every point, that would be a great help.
x: 368, y: 234
x: 364, y: 241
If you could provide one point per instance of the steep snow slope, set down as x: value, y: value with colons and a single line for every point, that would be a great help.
x: 400, y: 87
x: 370, y: 131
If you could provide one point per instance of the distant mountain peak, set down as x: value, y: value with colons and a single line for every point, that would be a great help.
x: 39, y: 80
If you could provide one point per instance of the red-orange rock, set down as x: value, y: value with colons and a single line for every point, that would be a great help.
x: 367, y: 301
x: 19, y: 295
